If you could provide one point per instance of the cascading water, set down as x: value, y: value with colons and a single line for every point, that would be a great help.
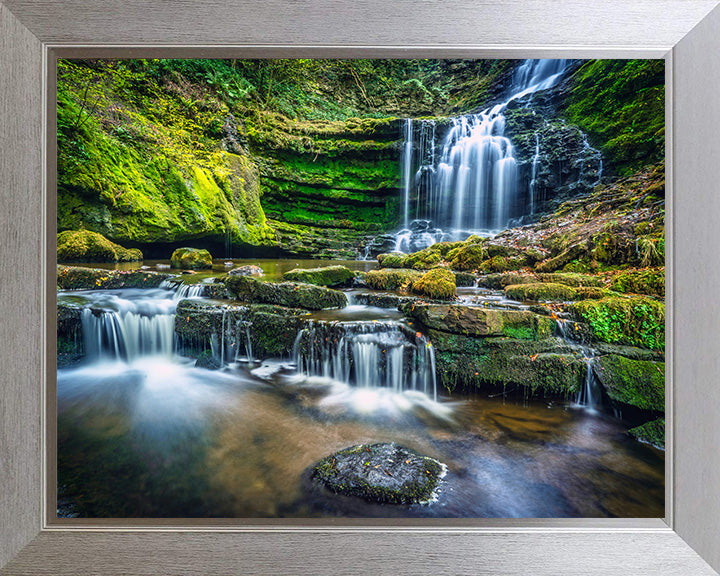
x: 368, y: 355
x: 468, y: 184
x: 589, y: 396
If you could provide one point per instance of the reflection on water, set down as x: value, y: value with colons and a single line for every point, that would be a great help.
x: 160, y: 438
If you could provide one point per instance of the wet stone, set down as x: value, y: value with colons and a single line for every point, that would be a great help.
x: 384, y: 473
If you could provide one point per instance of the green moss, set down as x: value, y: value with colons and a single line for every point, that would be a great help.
x: 191, y: 259
x: 86, y: 246
x: 621, y: 104
x: 332, y: 276
x: 502, y: 264
x: 540, y: 292
x: 423, y: 259
x: 391, y: 279
x: 570, y: 279
x: 652, y: 432
x: 638, y: 321
x: 437, y: 284
x: 289, y: 294
x: 638, y: 383
x: 78, y: 278
x: 466, y: 257
x: 650, y: 282
x: 392, y: 260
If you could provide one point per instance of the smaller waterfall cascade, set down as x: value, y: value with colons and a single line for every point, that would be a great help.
x: 368, y: 355
x: 468, y: 183
x: 589, y: 396
x: 123, y: 325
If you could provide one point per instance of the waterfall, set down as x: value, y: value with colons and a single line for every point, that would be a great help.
x: 368, y: 355
x: 469, y: 182
x: 127, y: 335
x: 589, y: 396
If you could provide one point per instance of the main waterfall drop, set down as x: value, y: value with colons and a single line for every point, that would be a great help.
x: 468, y: 183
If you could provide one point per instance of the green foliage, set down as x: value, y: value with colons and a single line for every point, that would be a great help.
x: 638, y: 321
x: 621, y: 104
x: 86, y: 246
x: 438, y: 284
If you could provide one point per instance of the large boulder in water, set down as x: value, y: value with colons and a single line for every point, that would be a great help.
x: 330, y: 276
x: 86, y: 246
x: 384, y: 473
x: 290, y: 294
x: 191, y: 259
x: 80, y: 278
x: 247, y: 270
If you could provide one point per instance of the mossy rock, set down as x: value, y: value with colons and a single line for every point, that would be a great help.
x: 383, y: 473
x: 86, y: 246
x: 423, y: 259
x: 191, y: 259
x: 502, y: 264
x: 392, y: 260
x: 501, y: 281
x: 289, y: 294
x: 391, y: 279
x: 464, y: 279
x: 652, y: 432
x: 570, y: 279
x: 331, y: 276
x: 509, y: 364
x: 273, y: 329
x: 540, y: 292
x: 475, y: 321
x: 80, y: 278
x: 650, y: 282
x: 437, y: 284
x: 466, y: 257
x: 638, y: 383
x: 383, y: 300
x: 637, y: 321
x: 493, y: 249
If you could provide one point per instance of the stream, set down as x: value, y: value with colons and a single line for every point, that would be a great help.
x: 142, y: 432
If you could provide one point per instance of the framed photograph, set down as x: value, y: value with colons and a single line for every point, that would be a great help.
x: 322, y: 298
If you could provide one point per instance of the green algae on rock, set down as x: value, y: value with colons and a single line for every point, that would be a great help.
x: 652, y: 432
x: 191, y: 259
x: 87, y: 246
x: 384, y: 473
x: 79, y: 278
x: 391, y: 279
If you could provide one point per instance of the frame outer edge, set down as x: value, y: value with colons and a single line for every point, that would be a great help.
x: 696, y: 427
x: 21, y: 329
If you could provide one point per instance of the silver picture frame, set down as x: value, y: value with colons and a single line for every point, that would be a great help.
x: 34, y: 33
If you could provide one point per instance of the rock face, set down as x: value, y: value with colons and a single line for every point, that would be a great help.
x: 86, y: 246
x: 191, y: 259
x: 330, y: 276
x: 290, y: 294
x: 384, y: 473
x: 652, y: 432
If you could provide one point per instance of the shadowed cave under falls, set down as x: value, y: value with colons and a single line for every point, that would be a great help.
x: 178, y: 402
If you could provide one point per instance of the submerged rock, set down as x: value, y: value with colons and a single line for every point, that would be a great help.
x: 384, y: 473
x: 290, y: 294
x: 330, y: 276
x: 191, y: 259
